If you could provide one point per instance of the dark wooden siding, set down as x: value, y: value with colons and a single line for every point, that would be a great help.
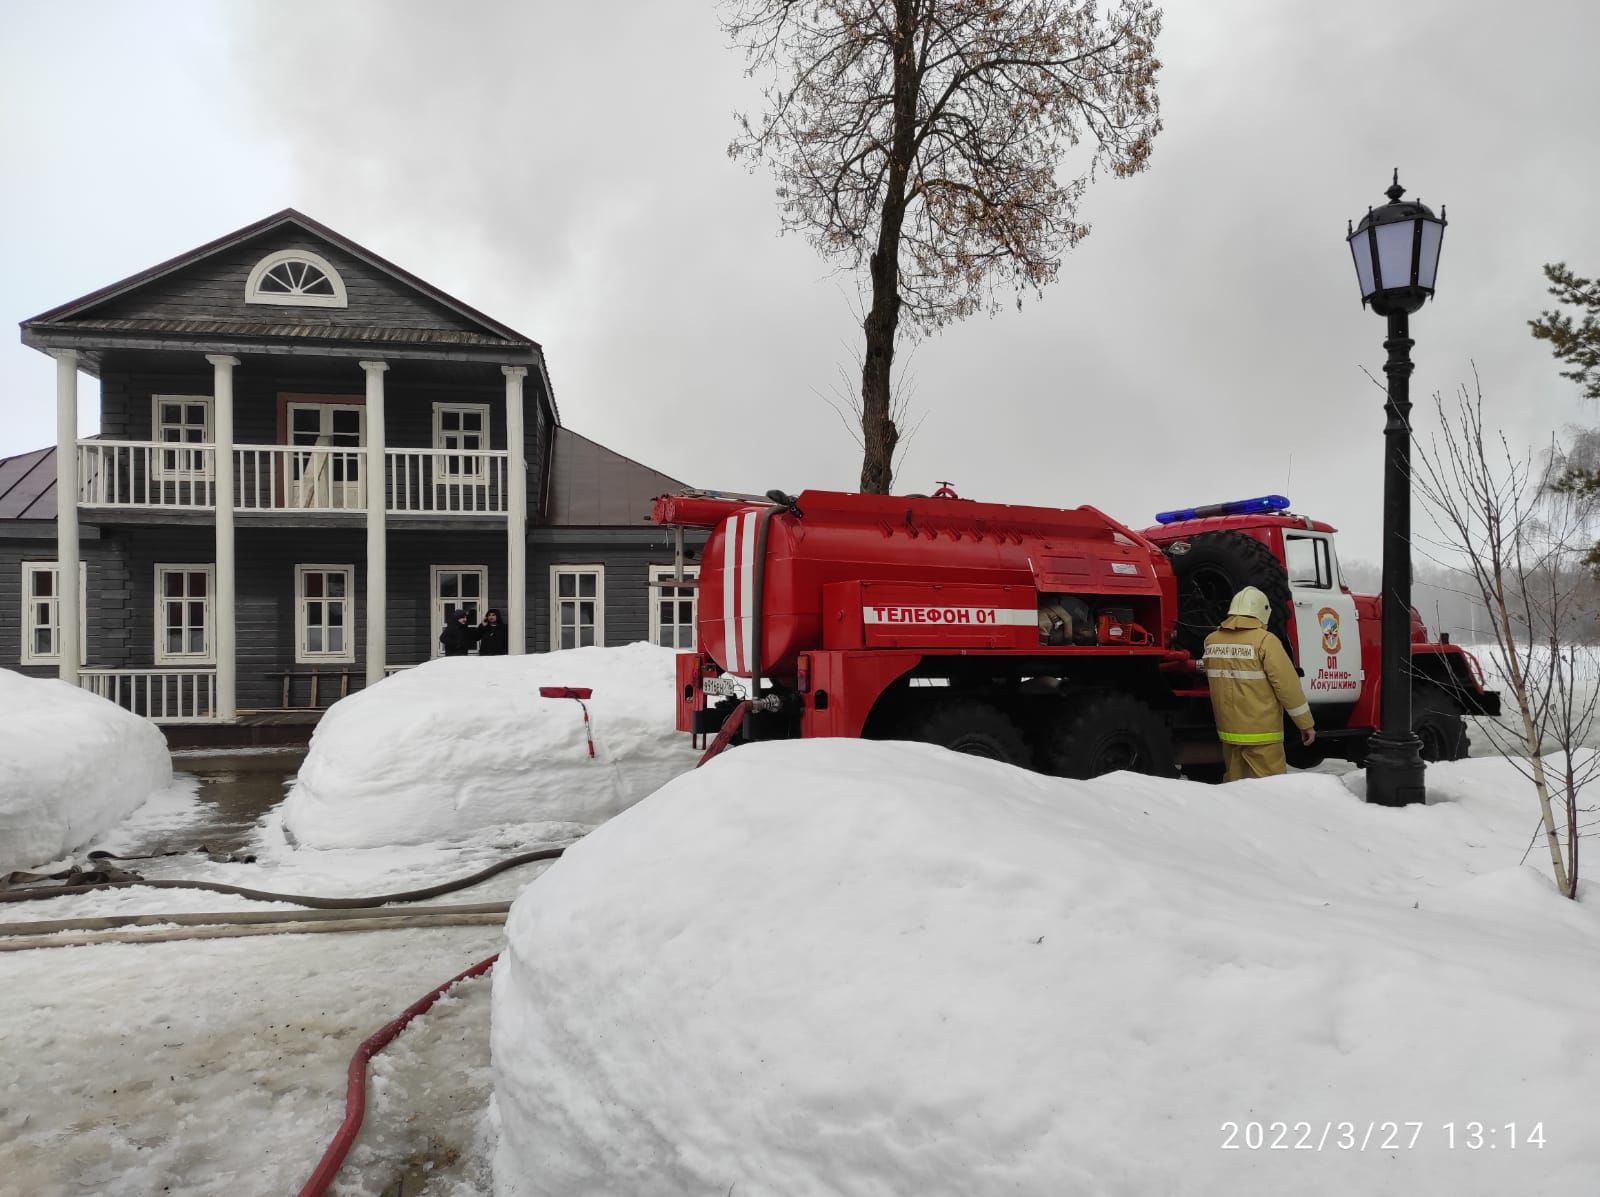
x: 626, y: 555
x: 413, y: 631
x: 214, y: 289
x: 107, y: 592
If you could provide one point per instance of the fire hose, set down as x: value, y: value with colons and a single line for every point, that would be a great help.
x: 356, y: 1094
x: 39, y: 892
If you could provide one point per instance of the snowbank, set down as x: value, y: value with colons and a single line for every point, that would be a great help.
x: 464, y: 745
x: 839, y: 967
x: 71, y: 765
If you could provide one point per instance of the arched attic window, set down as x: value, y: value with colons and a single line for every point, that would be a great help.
x: 296, y: 278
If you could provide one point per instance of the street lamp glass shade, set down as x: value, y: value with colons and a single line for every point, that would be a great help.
x: 1432, y: 233
x: 1396, y: 253
x: 1361, y: 249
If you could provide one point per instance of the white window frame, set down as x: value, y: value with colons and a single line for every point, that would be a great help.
x: 314, y: 488
x: 302, y: 655
x: 159, y: 471
x: 28, y: 656
x: 557, y: 572
x: 437, y: 603
x: 162, y: 656
x: 442, y: 475
x: 657, y: 575
x: 254, y: 294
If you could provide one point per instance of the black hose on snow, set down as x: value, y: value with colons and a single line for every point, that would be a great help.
x: 34, y: 893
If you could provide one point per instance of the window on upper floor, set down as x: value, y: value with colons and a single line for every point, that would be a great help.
x: 182, y: 424
x: 460, y: 434
x: 296, y: 278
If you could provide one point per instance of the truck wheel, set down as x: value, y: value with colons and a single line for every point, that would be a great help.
x: 1437, y: 721
x: 969, y: 726
x: 1105, y: 731
x: 1214, y: 568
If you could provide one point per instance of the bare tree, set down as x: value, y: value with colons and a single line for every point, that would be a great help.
x: 921, y: 139
x: 1521, y: 540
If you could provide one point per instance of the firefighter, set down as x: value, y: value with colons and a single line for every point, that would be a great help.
x: 1253, y: 685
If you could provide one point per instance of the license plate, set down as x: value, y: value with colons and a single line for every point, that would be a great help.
x: 723, y: 687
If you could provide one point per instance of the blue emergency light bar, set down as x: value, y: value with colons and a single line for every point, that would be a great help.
x: 1264, y: 505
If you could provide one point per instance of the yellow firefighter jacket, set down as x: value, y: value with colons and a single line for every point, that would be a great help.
x: 1253, y: 683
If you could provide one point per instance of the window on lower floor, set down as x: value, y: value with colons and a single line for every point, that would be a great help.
x: 324, y: 615
x: 41, y: 613
x: 577, y: 606
x: 183, y: 615
x: 672, y: 606
x: 455, y: 587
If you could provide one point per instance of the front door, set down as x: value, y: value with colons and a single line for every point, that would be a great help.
x: 1324, y: 619
x: 325, y: 462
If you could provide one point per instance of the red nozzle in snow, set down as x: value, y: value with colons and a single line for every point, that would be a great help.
x: 580, y: 693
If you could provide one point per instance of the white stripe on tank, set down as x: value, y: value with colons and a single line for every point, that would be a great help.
x: 730, y: 631
x: 747, y: 589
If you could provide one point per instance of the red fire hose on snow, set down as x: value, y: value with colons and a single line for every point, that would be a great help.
x: 355, y: 1100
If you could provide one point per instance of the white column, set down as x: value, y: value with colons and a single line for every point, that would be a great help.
x: 516, y: 513
x: 377, y: 526
x: 226, y: 593
x: 67, y: 554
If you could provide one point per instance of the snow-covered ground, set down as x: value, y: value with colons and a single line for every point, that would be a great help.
x: 827, y: 967
x: 461, y: 746
x: 855, y: 968
x: 71, y: 766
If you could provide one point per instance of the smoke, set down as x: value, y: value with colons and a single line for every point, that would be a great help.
x: 562, y: 167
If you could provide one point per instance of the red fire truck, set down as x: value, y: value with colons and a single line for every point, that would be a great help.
x: 1057, y: 639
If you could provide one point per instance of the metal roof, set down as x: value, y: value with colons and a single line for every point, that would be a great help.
x: 297, y: 330
x: 28, y: 486
x: 591, y: 486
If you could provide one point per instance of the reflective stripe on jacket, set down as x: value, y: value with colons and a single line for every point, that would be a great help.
x: 1253, y: 683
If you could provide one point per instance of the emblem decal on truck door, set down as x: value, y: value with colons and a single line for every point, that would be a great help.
x: 1328, y: 621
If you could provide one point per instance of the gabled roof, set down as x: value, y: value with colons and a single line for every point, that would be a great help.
x: 593, y: 487
x: 288, y: 216
x: 28, y: 486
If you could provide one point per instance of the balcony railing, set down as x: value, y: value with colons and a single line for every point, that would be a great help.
x: 295, y: 478
x: 147, y: 475
x: 160, y: 695
x: 447, y: 481
x: 161, y: 476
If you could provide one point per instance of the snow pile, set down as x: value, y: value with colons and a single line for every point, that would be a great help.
x: 464, y: 745
x: 71, y: 765
x: 840, y: 967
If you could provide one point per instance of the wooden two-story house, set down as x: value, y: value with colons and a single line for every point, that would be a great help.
x: 307, y: 456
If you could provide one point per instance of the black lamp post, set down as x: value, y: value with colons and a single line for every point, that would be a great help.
x: 1396, y: 250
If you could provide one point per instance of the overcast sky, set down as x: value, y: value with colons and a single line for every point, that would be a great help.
x: 563, y: 168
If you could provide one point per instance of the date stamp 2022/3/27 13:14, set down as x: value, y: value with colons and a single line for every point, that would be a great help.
x: 1381, y: 1136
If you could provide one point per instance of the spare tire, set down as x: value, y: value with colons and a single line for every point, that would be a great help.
x: 1213, y: 567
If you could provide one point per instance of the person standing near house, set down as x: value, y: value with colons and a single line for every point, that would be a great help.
x: 459, y: 635
x: 1253, y: 686
x: 492, y: 640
